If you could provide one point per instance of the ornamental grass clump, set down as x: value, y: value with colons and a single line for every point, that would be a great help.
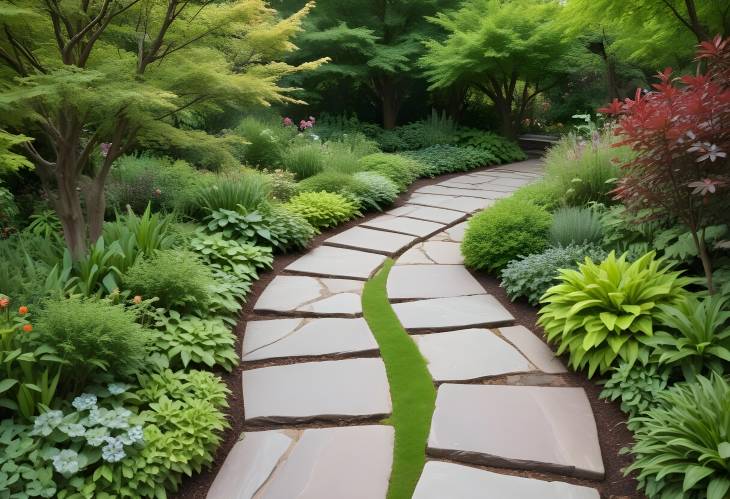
x: 604, y: 312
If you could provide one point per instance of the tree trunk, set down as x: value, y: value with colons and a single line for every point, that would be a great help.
x: 95, y: 207
x: 391, y: 107
x: 68, y: 206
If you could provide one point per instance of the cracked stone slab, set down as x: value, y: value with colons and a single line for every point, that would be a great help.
x: 420, y: 228
x: 534, y: 349
x: 352, y: 462
x: 440, y: 480
x: 457, y: 312
x: 524, y: 427
x: 450, y: 191
x: 431, y: 281
x: 465, y: 204
x: 373, y: 240
x: 454, y: 234
x: 337, y: 262
x: 350, y: 389
x: 306, y: 337
x: 312, y: 295
x: 433, y: 252
x: 249, y: 464
x: 440, y: 215
x: 469, y: 354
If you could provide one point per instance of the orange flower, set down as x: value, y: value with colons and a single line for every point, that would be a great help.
x: 23, y: 310
x: 27, y: 328
x: 137, y: 299
x: 4, y: 302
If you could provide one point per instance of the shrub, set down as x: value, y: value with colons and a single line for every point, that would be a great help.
x: 532, y: 275
x: 227, y: 192
x: 682, y: 447
x: 603, y: 311
x: 283, y: 184
x: 436, y: 129
x: 330, y: 181
x: 343, y: 153
x: 401, y: 170
x: 242, y: 260
x: 304, y: 160
x: 572, y: 225
x: 390, y: 141
x: 545, y: 194
x: 322, y: 209
x: 177, y: 278
x: 441, y: 159
x: 91, y: 336
x: 504, y: 231
x: 375, y: 191
x: 501, y: 148
x: 266, y: 142
x: 637, y: 386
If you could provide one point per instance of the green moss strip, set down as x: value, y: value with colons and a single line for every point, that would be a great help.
x: 411, y: 387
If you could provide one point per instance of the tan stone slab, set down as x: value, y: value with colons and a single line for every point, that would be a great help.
x: 456, y: 312
x: 311, y: 294
x: 442, y: 480
x: 469, y: 354
x: 249, y: 464
x: 534, y: 349
x: 352, y: 462
x: 420, y: 228
x: 337, y: 262
x: 308, y: 337
x: 440, y: 215
x: 331, y: 390
x: 431, y: 281
x: 525, y: 427
x: 371, y: 240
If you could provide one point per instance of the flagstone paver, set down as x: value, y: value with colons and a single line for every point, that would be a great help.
x: 451, y: 191
x: 435, y: 252
x: 431, y: 281
x: 306, y: 337
x: 337, y: 262
x: 322, y: 296
x: 531, y: 427
x: 440, y: 215
x: 412, y: 226
x: 371, y: 240
x: 455, y: 312
x: 534, y: 349
x: 453, y: 202
x: 328, y: 390
x: 441, y: 480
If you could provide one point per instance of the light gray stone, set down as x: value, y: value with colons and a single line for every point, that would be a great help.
x: 463, y: 204
x: 306, y: 337
x: 311, y: 294
x: 433, y: 252
x: 337, y: 262
x: 249, y: 464
x: 415, y: 255
x: 420, y: 228
x: 352, y: 462
x: 342, y: 389
x: 534, y: 349
x: 529, y: 427
x: 431, y: 281
x: 469, y: 354
x: 450, y: 191
x: 456, y: 233
x: 510, y: 182
x: 440, y: 215
x: 442, y: 480
x: 373, y: 240
x: 461, y: 311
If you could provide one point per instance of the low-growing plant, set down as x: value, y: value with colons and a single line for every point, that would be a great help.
x: 177, y: 278
x: 681, y: 447
x: 504, y: 231
x: 605, y: 311
x: 375, y: 191
x: 305, y: 160
x: 330, y: 181
x: 574, y: 225
x: 505, y: 150
x: 400, y: 169
x: 637, y: 387
x: 242, y: 260
x: 266, y: 142
x: 283, y: 184
x: 227, y: 192
x: 533, y: 275
x: 442, y: 159
x: 543, y: 193
x: 323, y: 209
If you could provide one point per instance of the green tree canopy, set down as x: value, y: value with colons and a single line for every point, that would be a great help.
x: 90, y: 78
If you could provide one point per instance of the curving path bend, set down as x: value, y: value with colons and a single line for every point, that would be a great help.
x: 315, y: 389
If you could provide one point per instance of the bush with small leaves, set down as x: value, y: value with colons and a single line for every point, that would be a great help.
x: 636, y: 386
x: 400, y: 169
x: 532, y: 275
x: 442, y: 159
x: 323, y: 209
x: 576, y: 225
x: 543, y: 193
x: 505, y: 150
x: 375, y: 191
x: 504, y: 231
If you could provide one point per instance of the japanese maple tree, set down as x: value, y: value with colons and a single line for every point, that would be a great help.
x: 681, y: 133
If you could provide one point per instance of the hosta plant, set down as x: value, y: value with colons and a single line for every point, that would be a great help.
x: 323, y: 209
x: 228, y: 255
x: 682, y: 447
x: 604, y: 311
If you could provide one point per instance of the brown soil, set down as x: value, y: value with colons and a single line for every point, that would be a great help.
x: 611, y: 422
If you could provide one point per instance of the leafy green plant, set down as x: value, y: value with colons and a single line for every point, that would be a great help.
x: 177, y: 278
x: 375, y: 191
x: 266, y: 142
x: 400, y: 169
x: 187, y: 340
x: 533, y: 275
x: 434, y: 130
x: 242, y: 260
x: 91, y: 336
x: 573, y: 225
x: 227, y: 192
x: 637, y: 386
x: 151, y: 231
x: 505, y: 150
x: 545, y: 194
x: 283, y: 184
x: 304, y: 160
x: 330, y: 181
x: 504, y: 231
x: 289, y: 230
x: 322, y: 209
x: 23, y: 473
x: 605, y: 311
x: 47, y: 225
x: 441, y: 159
x: 681, y: 447
x: 693, y: 335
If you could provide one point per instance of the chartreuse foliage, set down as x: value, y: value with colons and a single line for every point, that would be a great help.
x: 605, y: 311
x: 323, y: 209
x: 682, y: 448
x: 411, y: 387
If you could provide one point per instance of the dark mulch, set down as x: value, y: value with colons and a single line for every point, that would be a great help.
x: 612, y: 431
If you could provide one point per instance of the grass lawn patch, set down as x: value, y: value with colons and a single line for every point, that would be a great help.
x: 411, y: 387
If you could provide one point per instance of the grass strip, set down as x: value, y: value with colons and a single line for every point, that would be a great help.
x: 411, y: 388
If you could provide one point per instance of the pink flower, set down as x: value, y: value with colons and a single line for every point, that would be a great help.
x: 287, y: 121
x: 311, y: 118
x: 105, y: 147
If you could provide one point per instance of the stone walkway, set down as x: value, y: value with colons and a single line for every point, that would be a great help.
x: 320, y: 383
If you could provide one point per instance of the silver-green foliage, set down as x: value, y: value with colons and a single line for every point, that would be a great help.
x: 375, y: 190
x: 636, y: 386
